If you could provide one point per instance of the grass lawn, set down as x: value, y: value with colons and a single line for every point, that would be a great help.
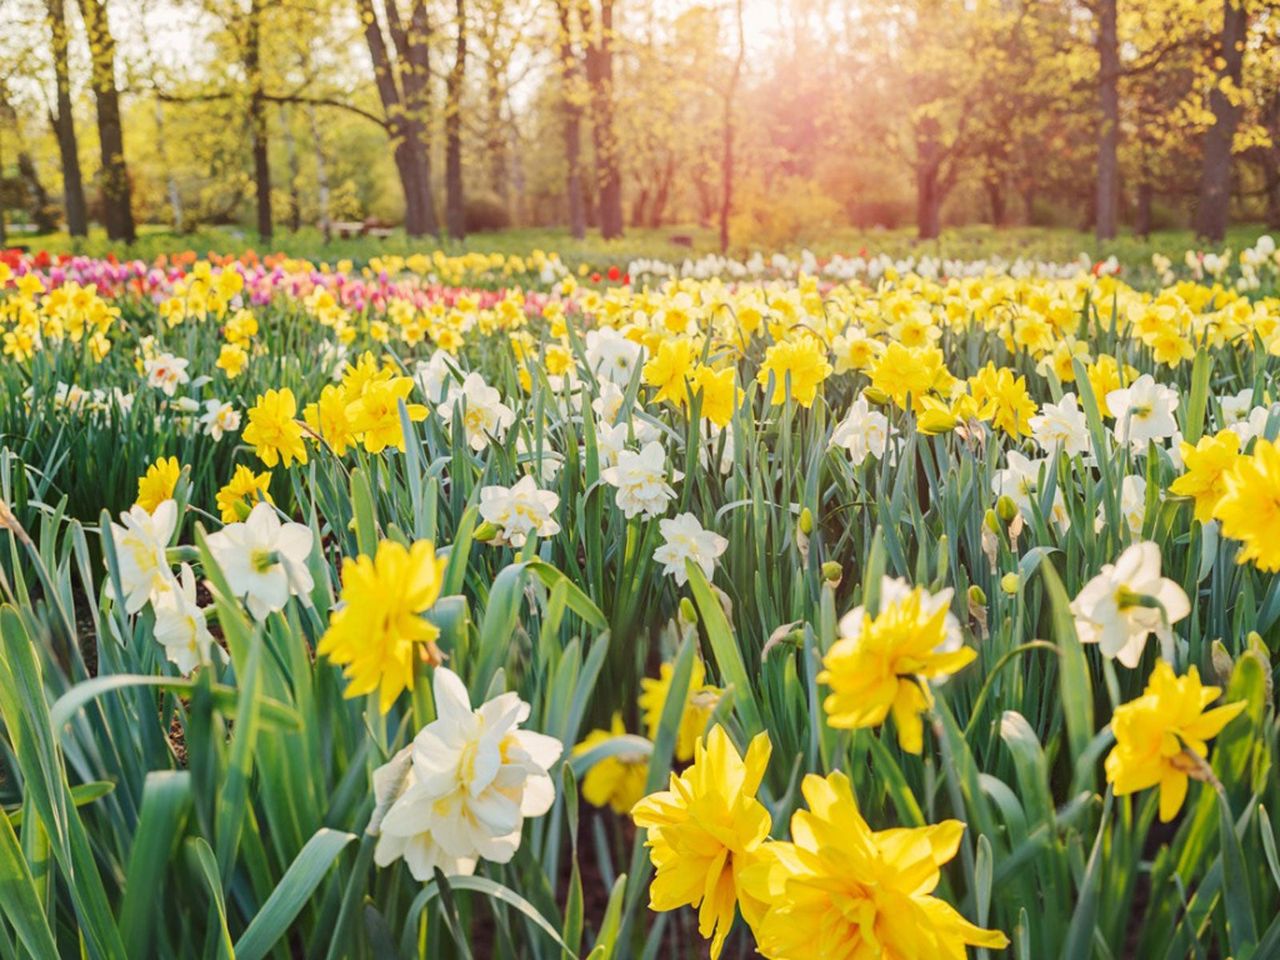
x: 673, y: 243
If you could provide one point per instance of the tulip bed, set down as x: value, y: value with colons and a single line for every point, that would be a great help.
x: 465, y: 606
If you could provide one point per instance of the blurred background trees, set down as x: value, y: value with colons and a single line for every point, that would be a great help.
x: 763, y: 120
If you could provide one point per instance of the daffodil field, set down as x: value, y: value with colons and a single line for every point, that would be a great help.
x: 478, y: 606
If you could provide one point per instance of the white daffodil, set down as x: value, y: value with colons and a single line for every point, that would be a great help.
x: 608, y: 403
x: 180, y: 624
x: 470, y: 780
x: 611, y: 356
x: 484, y: 415
x: 1127, y: 602
x: 1020, y: 482
x: 641, y: 481
x: 1251, y: 425
x: 611, y: 441
x: 1143, y: 411
x: 685, y: 539
x: 166, y: 373
x: 140, y: 545
x: 219, y: 418
x: 863, y: 432
x: 1235, y: 407
x: 264, y: 560
x: 434, y: 376
x: 1133, y: 505
x: 519, y: 511
x: 1061, y: 424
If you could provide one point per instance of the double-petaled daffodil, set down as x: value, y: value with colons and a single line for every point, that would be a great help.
x: 1206, y: 465
x: 840, y: 889
x: 166, y: 373
x: 797, y: 368
x: 699, y: 703
x: 883, y: 664
x: 484, y: 416
x: 1162, y: 736
x: 158, y: 483
x: 616, y: 781
x: 1250, y: 506
x: 273, y: 432
x: 684, y: 539
x: 376, y: 632
x: 1127, y: 602
x: 705, y: 830
x: 669, y: 370
x: 242, y: 492
x: 641, y: 481
x: 219, y: 418
x: 1003, y: 399
x: 1061, y: 425
x: 140, y: 552
x: 461, y: 791
x: 519, y: 511
x: 264, y: 560
x: 375, y: 414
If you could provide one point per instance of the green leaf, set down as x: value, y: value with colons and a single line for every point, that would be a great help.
x: 274, y: 713
x: 493, y: 890
x: 82, y: 794
x: 1238, y: 899
x: 166, y: 801
x: 19, y: 901
x: 207, y: 867
x: 291, y: 893
x: 725, y: 649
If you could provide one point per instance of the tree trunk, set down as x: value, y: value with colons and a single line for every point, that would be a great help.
x: 496, y: 134
x: 1108, y: 188
x: 171, y: 182
x: 1270, y: 156
x: 1142, y: 217
x: 604, y: 137
x: 322, y: 175
x: 572, y: 125
x: 1215, y: 179
x: 291, y: 155
x: 928, y: 180
x: 116, y: 192
x: 455, y: 199
x: 658, y: 209
x: 64, y: 126
x: 258, y: 122
x: 995, y: 197
x: 1029, y: 206
x: 43, y: 210
x: 726, y: 146
x: 406, y: 105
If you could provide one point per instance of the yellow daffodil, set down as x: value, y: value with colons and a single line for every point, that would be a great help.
x: 241, y: 493
x: 840, y: 889
x: 618, y: 781
x: 1206, y: 466
x: 1250, y: 506
x: 377, y: 631
x: 882, y: 665
x: 375, y: 414
x: 700, y: 701
x: 1162, y: 736
x: 272, y: 431
x: 802, y: 363
x: 705, y: 830
x: 158, y: 483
